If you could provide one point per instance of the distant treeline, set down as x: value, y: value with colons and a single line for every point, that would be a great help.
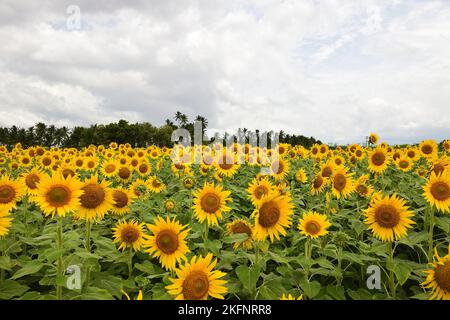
x: 137, y: 134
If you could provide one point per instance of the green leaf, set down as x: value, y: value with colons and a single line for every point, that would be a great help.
x: 443, y: 223
x: 248, y: 276
x: 311, y: 289
x: 238, y: 237
x: 5, y: 263
x: 10, y: 289
x: 402, y: 270
x: 336, y: 292
x: 29, y: 268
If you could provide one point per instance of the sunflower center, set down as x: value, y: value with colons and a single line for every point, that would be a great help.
x: 438, y: 168
x: 361, y: 189
x: 156, y: 183
x: 120, y: 199
x: 378, y: 158
x: 210, y: 202
x: 7, y: 194
x: 129, y: 234
x: 143, y: 168
x: 227, y: 163
x: 31, y: 180
x: 68, y: 172
x: 312, y: 227
x: 327, y: 172
x: 260, y: 191
x: 387, y: 216
x: 110, y: 168
x: 339, y: 182
x: 427, y: 149
x: 440, y: 191
x: 241, y: 227
x: 58, y: 196
x: 442, y: 275
x: 93, y: 196
x: 403, y: 164
x: 46, y: 161
x: 269, y: 214
x: 124, y: 173
x: 79, y: 163
x: 277, y: 167
x: 195, y: 286
x: 167, y: 241
x: 318, y: 182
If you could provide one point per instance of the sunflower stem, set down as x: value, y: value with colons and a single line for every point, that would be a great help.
x: 88, y: 249
x: 391, y: 272
x: 430, y: 233
x: 205, y: 237
x: 60, y: 267
x: 130, y: 262
x: 256, y: 253
x: 308, y: 253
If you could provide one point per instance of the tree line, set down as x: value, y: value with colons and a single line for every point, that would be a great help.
x: 137, y: 134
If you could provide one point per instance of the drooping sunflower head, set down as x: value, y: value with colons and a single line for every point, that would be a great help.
x: 378, y: 159
x: 374, y: 138
x: 438, y: 276
x: 210, y: 202
x: 167, y: 242
x: 122, y: 199
x: 58, y: 195
x: 129, y: 235
x: 272, y: 215
x: 388, y: 217
x: 437, y: 191
x: 196, y: 280
x: 313, y: 224
x: 241, y: 226
x: 96, y: 199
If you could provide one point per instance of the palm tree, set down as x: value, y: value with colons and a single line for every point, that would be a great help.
x: 181, y: 118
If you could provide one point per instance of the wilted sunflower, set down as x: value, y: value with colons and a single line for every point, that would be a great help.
x: 272, y: 215
x: 5, y: 223
x: 318, y: 184
x: 388, y: 218
x: 210, y: 202
x: 259, y: 188
x: 129, y: 235
x: 241, y: 226
x: 196, y: 280
x: 342, y: 184
x: 167, y: 242
x: 31, y: 179
x: 58, y: 195
x: 313, y: 224
x: 428, y: 148
x: 378, y: 159
x: 11, y: 192
x: 122, y: 198
x: 95, y: 201
x: 438, y: 277
x: 437, y: 191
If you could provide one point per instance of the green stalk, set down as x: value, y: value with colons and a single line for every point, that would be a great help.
x: 88, y: 249
x: 130, y: 262
x: 308, y: 253
x: 430, y: 234
x: 205, y: 236
x: 60, y: 267
x: 391, y: 272
x: 256, y: 253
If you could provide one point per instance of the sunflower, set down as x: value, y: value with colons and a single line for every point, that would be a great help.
x: 58, y: 195
x: 326, y: 169
x: 46, y: 161
x: 210, y: 202
x: 109, y: 168
x: 378, y: 159
x: 122, y: 199
x: 196, y: 280
x: 301, y: 176
x: 96, y: 199
x: 143, y: 168
x: 5, y: 223
x: 91, y: 164
x: 404, y: 163
x: 169, y: 204
x: 140, y: 188
x: 31, y: 179
x: 446, y: 145
x: 279, y: 168
x: 318, y: 184
x: 167, y: 242
x: 226, y: 164
x: 342, y: 184
x: 241, y: 226
x: 374, y: 138
x: 363, y: 189
x: 258, y: 188
x: 428, y: 148
x: 412, y: 153
x: 388, y: 217
x: 129, y: 235
x: 67, y: 169
x: 11, y: 192
x: 290, y: 297
x: 440, y: 165
x: 124, y: 173
x: 437, y: 191
x: 273, y: 214
x: 314, y: 225
x: 438, y: 276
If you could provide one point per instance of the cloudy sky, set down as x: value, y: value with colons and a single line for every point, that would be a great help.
x: 332, y: 69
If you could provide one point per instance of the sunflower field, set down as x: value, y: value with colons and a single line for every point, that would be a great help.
x: 209, y: 222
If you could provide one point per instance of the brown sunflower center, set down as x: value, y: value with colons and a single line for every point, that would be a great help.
x: 440, y: 191
x: 438, y: 168
x: 167, y: 241
x: 277, y: 167
x: 68, y: 172
x: 79, y: 163
x: 226, y: 163
x: 210, y: 202
x: 129, y: 234
x: 124, y: 173
x: 195, y: 286
x: 427, y: 149
x: 156, y: 183
x: 143, y: 168
x: 378, y: 158
x: 312, y: 227
x: 241, y: 227
x: 339, y: 182
x: 46, y: 161
x: 362, y: 189
x: 403, y: 164
x: 58, y: 196
x: 7, y: 194
x: 269, y: 214
x: 318, y: 182
x: 442, y: 275
x: 327, y: 172
x: 387, y: 216
x: 260, y: 191
x: 134, y: 162
x: 92, y: 197
x: 31, y: 180
x: 411, y: 154
x: 110, y: 168
x: 120, y: 199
